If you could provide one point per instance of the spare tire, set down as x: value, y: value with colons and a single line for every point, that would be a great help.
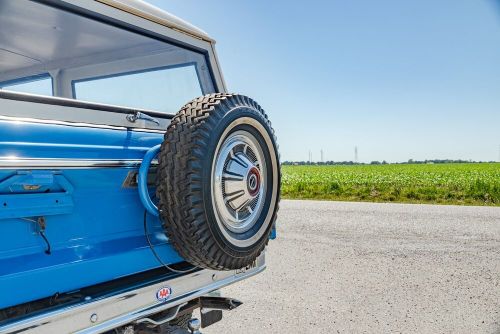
x: 218, y: 181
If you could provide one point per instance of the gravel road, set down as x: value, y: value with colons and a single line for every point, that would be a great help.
x: 374, y: 268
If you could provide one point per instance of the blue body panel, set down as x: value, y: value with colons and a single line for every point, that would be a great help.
x: 96, y: 236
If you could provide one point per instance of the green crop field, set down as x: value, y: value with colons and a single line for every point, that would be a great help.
x: 469, y: 184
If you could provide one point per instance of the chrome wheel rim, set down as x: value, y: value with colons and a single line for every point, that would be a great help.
x: 239, y: 177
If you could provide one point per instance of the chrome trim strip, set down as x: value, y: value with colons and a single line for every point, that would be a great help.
x: 75, y: 124
x: 124, y: 308
x: 21, y: 163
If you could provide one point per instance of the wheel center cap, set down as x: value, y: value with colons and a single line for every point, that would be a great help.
x: 253, y: 181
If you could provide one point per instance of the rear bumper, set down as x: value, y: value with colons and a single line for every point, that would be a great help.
x: 106, y: 313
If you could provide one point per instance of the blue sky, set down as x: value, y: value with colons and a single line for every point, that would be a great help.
x: 400, y: 79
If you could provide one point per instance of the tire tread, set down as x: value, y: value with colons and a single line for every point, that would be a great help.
x: 180, y: 181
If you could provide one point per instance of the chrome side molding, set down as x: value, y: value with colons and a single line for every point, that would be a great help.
x: 29, y: 163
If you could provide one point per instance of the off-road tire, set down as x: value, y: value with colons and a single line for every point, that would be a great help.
x: 184, y: 181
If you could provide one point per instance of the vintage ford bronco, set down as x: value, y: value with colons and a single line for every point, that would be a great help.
x: 123, y: 206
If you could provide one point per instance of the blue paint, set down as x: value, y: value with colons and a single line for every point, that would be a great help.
x: 34, y: 140
x: 52, y: 195
x: 142, y: 182
x: 273, y: 234
x: 97, y: 237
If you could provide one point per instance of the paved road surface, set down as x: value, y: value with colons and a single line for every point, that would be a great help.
x: 374, y: 268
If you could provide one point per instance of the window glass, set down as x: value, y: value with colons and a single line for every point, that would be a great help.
x: 164, y: 89
x: 90, y: 60
x: 40, y: 85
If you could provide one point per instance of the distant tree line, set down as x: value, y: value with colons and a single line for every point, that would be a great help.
x: 410, y: 161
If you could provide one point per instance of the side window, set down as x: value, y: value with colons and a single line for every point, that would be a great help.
x: 40, y: 85
x: 164, y: 89
x: 95, y: 62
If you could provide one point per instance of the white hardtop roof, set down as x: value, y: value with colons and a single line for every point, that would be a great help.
x: 152, y: 13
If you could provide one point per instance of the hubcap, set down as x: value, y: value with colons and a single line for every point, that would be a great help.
x: 240, y: 176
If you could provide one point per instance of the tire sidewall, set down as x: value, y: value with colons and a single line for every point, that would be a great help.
x: 272, y: 171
